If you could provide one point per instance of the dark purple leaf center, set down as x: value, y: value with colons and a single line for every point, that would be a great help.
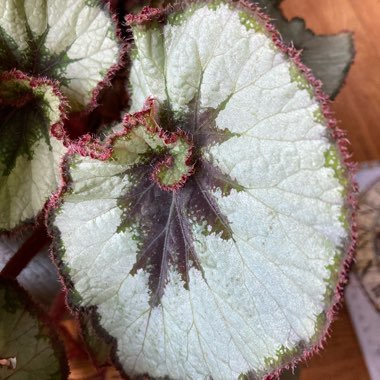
x: 162, y: 220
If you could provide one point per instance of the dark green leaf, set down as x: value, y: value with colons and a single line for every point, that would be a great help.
x: 99, y: 349
x: 29, y: 349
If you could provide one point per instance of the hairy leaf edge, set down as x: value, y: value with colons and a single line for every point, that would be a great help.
x: 57, y: 130
x: 94, y: 148
x: 30, y: 224
x: 123, y: 62
x: 352, y: 50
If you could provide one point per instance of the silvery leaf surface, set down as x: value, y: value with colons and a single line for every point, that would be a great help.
x: 71, y: 41
x: 210, y: 230
x: 29, y: 154
x: 328, y: 56
x: 55, y: 56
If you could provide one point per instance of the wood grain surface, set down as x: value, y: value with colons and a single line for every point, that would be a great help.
x: 357, y: 108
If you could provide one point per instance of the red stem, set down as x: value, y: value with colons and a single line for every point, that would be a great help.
x: 31, y: 247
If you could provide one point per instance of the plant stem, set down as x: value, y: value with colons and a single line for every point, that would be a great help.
x: 31, y: 247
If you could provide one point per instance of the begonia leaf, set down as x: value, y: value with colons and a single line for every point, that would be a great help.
x: 71, y: 41
x: 29, y: 347
x: 328, y: 56
x: 209, y: 233
x: 47, y: 47
x: 29, y: 154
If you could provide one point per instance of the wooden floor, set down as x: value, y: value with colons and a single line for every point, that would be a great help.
x: 358, y: 109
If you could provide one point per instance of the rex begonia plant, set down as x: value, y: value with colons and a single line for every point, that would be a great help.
x: 55, y: 56
x: 207, y: 235
x: 219, y: 205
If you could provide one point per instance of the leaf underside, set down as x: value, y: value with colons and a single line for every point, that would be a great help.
x: 231, y: 273
x: 30, y: 347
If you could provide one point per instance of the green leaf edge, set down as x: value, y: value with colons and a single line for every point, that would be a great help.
x: 287, y: 358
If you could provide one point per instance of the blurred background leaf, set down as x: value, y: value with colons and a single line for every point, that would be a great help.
x: 29, y: 346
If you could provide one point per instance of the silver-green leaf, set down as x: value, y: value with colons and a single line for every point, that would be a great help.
x: 232, y: 272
